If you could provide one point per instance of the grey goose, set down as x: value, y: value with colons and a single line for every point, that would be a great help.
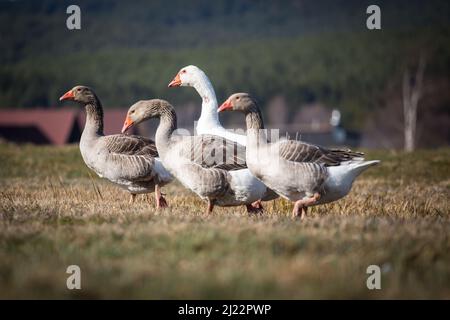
x: 304, y: 173
x: 209, y: 165
x: 129, y: 161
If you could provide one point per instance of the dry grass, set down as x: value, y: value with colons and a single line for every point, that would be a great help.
x: 53, y: 214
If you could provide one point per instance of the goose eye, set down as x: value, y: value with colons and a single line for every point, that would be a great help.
x: 184, y: 71
x: 79, y: 89
x: 237, y: 98
x: 132, y: 111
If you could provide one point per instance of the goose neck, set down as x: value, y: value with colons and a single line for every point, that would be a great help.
x: 209, y: 116
x: 94, y: 117
x: 254, y: 120
x: 167, y: 125
x: 255, y: 128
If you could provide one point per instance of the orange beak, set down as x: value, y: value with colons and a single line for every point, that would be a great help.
x: 176, y: 82
x: 67, y: 96
x: 127, y: 124
x: 225, y: 106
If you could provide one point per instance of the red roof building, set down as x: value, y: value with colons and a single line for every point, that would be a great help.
x: 52, y: 126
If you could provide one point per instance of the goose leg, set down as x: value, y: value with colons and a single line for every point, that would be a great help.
x: 301, y: 206
x: 132, y: 198
x: 304, y: 212
x: 160, y: 200
x: 254, y: 208
x: 257, y: 206
x: 296, y: 210
x: 210, y: 207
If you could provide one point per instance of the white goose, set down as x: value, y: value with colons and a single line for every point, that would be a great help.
x: 130, y: 162
x: 209, y: 123
x: 297, y: 171
x: 206, y: 164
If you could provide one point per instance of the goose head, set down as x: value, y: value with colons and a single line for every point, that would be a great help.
x: 242, y: 102
x: 187, y: 77
x: 80, y: 94
x: 144, y: 110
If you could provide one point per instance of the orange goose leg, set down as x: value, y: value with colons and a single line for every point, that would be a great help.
x: 301, y: 206
x: 161, y: 202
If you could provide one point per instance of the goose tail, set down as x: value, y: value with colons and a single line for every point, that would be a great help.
x: 358, y: 166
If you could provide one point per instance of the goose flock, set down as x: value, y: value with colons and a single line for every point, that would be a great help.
x: 221, y: 167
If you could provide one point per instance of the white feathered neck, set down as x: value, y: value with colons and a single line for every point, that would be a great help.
x: 209, y: 123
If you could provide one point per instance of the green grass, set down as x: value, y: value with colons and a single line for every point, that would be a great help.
x: 51, y: 216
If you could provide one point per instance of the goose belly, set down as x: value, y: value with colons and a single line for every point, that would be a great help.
x: 245, y: 189
x: 190, y: 175
x: 293, y: 182
x: 163, y: 175
x: 231, y: 188
x: 206, y: 183
x: 181, y: 170
x: 98, y: 162
x: 136, y: 188
x: 337, y: 185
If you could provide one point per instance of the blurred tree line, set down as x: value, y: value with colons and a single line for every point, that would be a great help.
x: 302, y: 50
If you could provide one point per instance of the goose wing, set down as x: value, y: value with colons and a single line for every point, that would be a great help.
x: 297, y: 151
x: 132, y: 156
x: 131, y: 145
x: 210, y: 151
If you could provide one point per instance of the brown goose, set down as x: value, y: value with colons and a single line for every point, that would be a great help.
x: 126, y: 160
x: 208, y: 165
x: 298, y: 171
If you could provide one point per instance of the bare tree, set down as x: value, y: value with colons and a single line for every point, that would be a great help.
x: 412, y: 91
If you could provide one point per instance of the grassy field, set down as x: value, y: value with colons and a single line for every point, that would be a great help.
x: 53, y: 214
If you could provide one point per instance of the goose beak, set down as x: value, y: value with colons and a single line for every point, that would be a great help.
x: 127, y: 124
x: 225, y: 106
x: 67, y: 96
x: 176, y: 82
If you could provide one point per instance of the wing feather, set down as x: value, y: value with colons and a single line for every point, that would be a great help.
x: 210, y: 151
x: 297, y: 151
x: 133, y: 156
x: 130, y: 145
